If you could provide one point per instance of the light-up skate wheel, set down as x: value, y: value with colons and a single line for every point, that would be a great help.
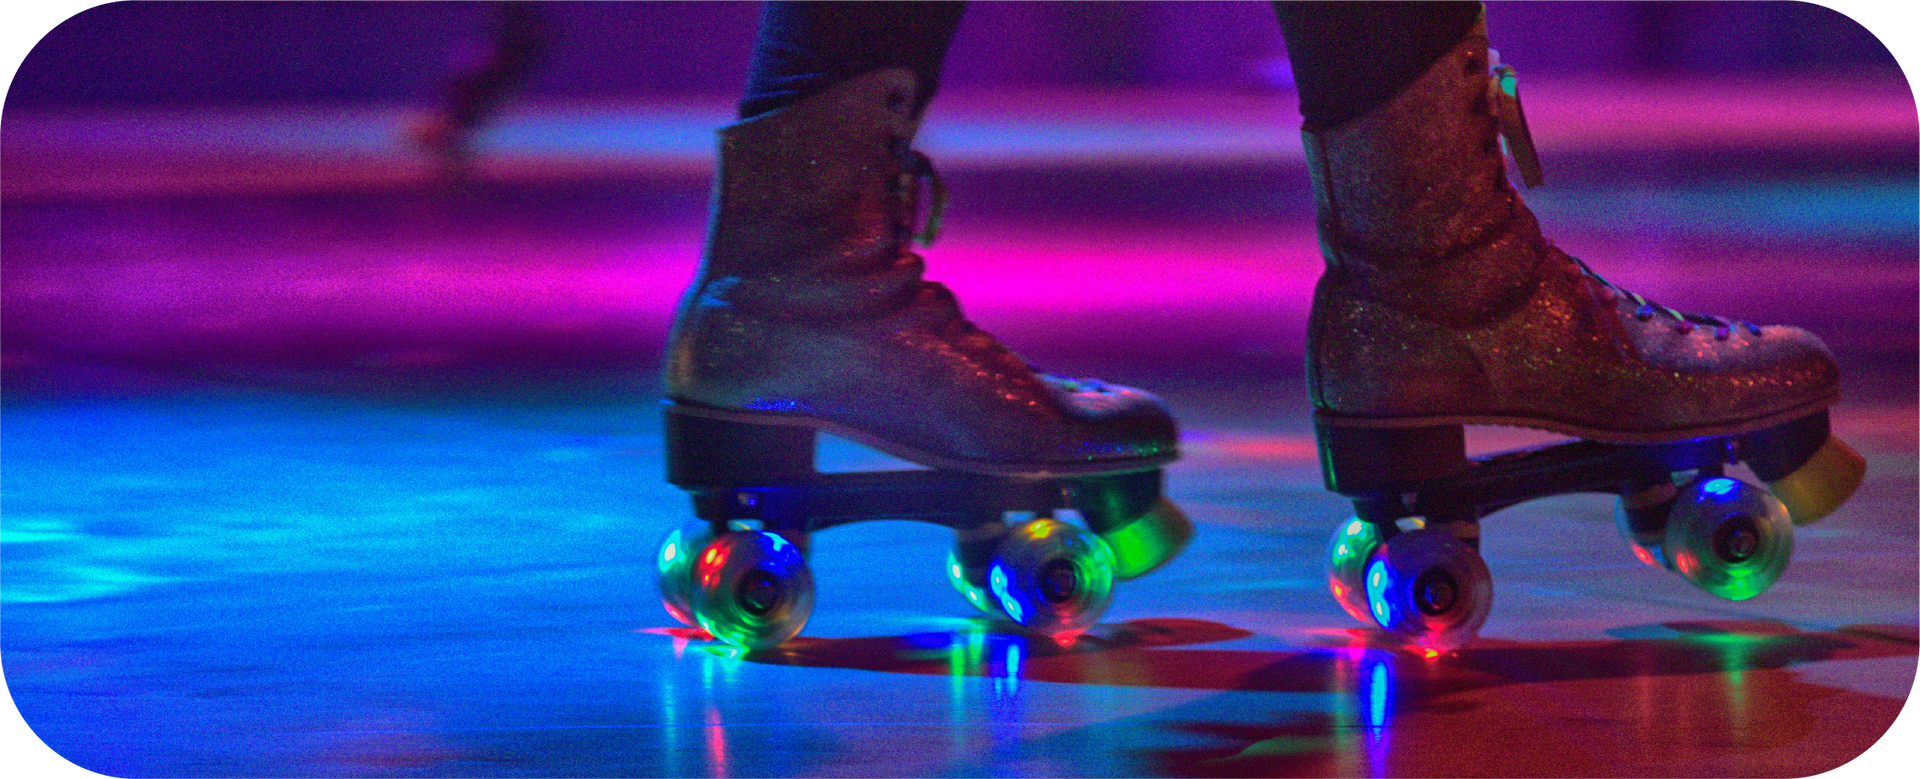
x: 752, y: 589
x: 1052, y: 578
x: 1348, y: 551
x: 674, y: 564
x: 1429, y: 589
x: 1641, y: 517
x: 976, y: 595
x: 1729, y: 538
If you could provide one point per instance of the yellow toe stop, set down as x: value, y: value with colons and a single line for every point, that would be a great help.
x: 1143, y: 545
x: 1821, y: 485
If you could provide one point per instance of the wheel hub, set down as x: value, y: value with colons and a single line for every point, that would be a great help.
x: 1059, y: 581
x: 1435, y: 592
x: 1737, y: 539
x: 759, y: 593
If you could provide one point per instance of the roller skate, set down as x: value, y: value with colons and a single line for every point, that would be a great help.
x: 1443, y: 306
x: 810, y: 315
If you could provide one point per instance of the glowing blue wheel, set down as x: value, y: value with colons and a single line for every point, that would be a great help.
x: 974, y: 594
x: 1729, y: 537
x: 1052, y: 578
x: 752, y: 589
x: 1429, y: 589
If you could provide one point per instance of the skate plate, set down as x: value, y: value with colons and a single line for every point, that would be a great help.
x: 759, y: 498
x: 1678, y: 510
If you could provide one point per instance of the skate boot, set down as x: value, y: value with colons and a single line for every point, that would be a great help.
x: 810, y: 315
x: 1442, y: 305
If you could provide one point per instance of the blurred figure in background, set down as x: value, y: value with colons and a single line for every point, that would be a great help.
x: 521, y: 36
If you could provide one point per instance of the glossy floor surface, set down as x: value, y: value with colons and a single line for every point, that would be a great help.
x: 314, y: 467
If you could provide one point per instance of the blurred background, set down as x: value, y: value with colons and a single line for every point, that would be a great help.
x: 587, y: 139
x: 212, y: 54
x: 331, y: 431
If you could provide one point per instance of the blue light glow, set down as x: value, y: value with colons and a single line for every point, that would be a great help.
x: 998, y: 580
x: 1720, y: 488
x: 1379, y: 687
x: 1377, y: 582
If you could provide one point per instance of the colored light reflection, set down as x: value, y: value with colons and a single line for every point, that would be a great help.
x: 997, y: 580
x: 1373, y: 687
x: 710, y: 565
x: 1378, y: 583
x: 1378, y: 688
x: 1347, y: 555
x: 1721, y: 489
x: 717, y: 679
x: 957, y: 576
x: 978, y: 651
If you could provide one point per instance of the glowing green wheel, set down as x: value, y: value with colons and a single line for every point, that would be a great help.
x: 975, y: 594
x: 1729, y: 538
x: 1348, y: 551
x: 752, y: 588
x: 1052, y: 578
x: 674, y: 562
x: 1429, y: 589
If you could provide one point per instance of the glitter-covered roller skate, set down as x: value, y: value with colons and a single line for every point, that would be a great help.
x: 811, y: 315
x: 1443, y: 306
x: 1408, y: 559
x: 740, y: 571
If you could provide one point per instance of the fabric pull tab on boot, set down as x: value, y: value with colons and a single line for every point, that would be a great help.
x: 1513, y: 124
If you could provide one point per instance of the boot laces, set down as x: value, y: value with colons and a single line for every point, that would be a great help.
x: 1683, y: 322
x: 1518, y: 141
x: 919, y: 168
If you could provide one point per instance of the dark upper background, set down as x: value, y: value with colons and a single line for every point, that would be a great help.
x: 241, y: 53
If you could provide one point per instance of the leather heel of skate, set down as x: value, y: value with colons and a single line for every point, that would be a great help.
x: 1358, y: 460
x: 703, y: 451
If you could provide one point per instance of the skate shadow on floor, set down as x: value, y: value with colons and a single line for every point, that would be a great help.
x: 1672, y: 699
x: 1166, y: 653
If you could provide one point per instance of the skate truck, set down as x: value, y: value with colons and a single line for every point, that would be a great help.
x: 739, y: 569
x: 1408, y: 560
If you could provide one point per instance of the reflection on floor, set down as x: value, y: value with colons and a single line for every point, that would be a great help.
x: 317, y: 469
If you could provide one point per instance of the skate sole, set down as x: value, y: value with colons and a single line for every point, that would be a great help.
x: 1799, y: 458
x: 1043, y: 470
x: 1661, y: 436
